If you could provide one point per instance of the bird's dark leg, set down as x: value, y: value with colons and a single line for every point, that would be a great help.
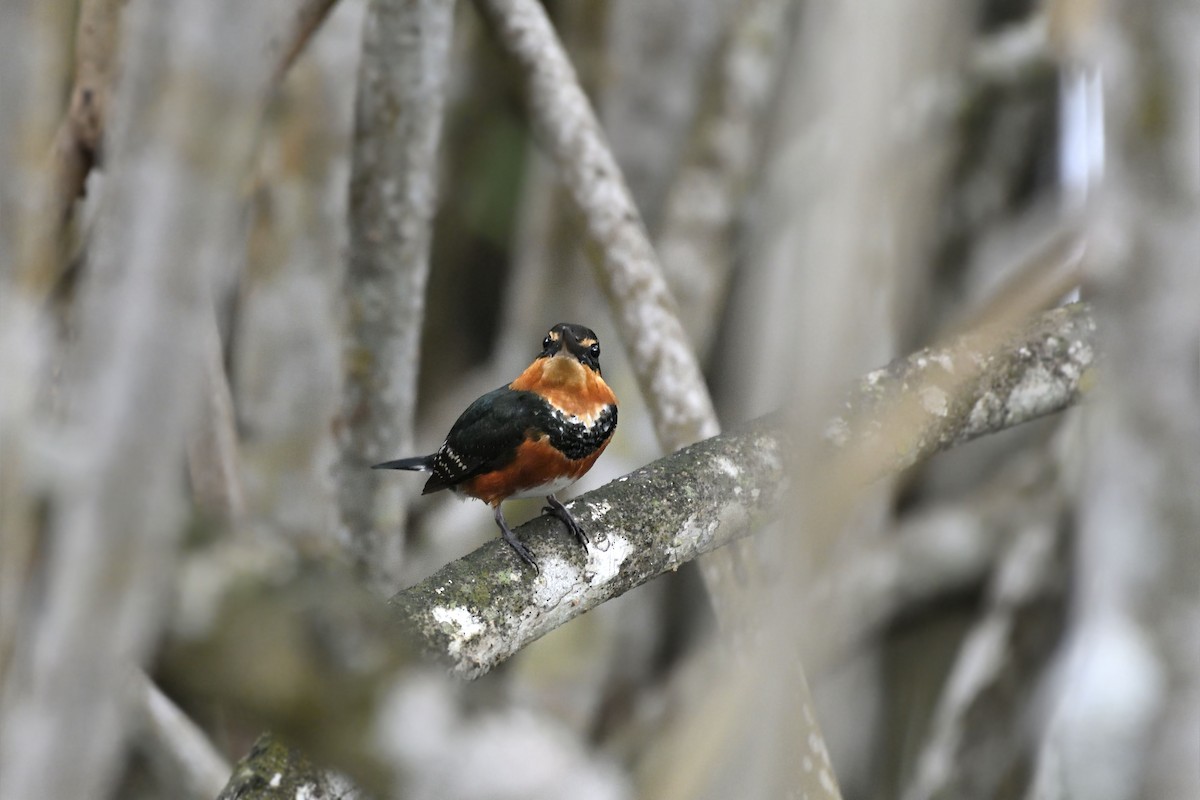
x: 559, y: 510
x: 513, y: 542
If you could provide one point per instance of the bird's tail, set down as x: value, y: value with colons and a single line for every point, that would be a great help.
x: 416, y: 464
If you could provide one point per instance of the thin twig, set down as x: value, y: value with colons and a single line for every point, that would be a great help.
x: 212, y: 449
x: 185, y: 759
x: 303, y: 20
x: 999, y: 663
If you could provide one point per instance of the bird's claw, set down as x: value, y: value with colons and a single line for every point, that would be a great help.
x: 516, y: 544
x: 525, y: 553
x: 557, y: 509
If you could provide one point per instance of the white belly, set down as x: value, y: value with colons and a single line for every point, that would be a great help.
x: 547, y: 488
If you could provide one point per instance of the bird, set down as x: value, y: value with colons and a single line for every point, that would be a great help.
x: 532, y: 437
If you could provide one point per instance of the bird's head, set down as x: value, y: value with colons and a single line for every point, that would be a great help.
x: 575, y: 342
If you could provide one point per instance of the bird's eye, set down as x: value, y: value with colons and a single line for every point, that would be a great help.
x: 595, y: 350
x: 546, y: 343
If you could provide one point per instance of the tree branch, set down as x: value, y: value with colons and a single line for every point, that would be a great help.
x: 176, y: 747
x: 170, y: 216
x: 478, y: 611
x: 393, y: 197
x: 627, y: 266
x: 302, y: 20
x: 77, y: 143
x: 706, y: 197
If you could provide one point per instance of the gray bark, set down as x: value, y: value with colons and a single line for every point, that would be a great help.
x: 214, y: 465
x: 393, y: 196
x: 716, y: 174
x: 177, y: 152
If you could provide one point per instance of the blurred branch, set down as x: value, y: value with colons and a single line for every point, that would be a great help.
x: 34, y: 66
x: 1035, y: 279
x: 706, y: 197
x: 212, y: 449
x: 628, y: 268
x: 977, y: 745
x: 393, y: 197
x: 301, y: 21
x: 1124, y: 713
x: 312, y: 655
x: 79, y: 142
x: 179, y: 751
x: 177, y: 151
x: 932, y: 553
x: 655, y: 67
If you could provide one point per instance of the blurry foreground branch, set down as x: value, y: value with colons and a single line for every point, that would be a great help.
x: 168, y: 219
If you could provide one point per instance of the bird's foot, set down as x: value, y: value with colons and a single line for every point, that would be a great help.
x: 516, y: 544
x: 559, y: 510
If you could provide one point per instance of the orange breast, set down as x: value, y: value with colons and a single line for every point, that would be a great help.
x: 567, y: 385
x: 537, y: 464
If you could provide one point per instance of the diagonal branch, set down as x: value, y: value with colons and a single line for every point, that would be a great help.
x: 302, y: 19
x: 479, y: 610
x: 627, y: 266
x: 79, y: 140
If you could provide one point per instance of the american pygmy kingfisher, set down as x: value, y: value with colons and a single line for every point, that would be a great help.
x: 533, y: 437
